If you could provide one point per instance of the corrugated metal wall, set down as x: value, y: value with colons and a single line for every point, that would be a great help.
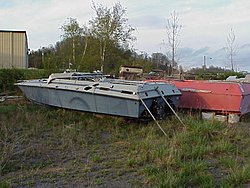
x: 13, y: 50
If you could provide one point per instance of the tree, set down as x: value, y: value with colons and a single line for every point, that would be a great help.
x: 161, y: 61
x: 72, y: 32
x: 231, y: 48
x: 35, y: 59
x: 173, y: 32
x: 110, y: 28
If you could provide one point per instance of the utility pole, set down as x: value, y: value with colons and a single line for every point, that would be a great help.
x: 204, y: 63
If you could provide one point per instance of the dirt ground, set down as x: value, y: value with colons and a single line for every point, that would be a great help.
x: 42, y: 160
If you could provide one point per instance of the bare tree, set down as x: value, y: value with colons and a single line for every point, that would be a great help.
x: 231, y: 48
x: 173, y: 32
x: 110, y: 26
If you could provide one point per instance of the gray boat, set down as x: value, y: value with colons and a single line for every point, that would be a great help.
x: 95, y: 93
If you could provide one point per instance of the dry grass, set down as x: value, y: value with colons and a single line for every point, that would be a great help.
x: 51, y: 148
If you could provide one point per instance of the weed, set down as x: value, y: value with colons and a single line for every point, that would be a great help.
x: 9, y: 140
x: 121, y: 172
x: 239, y: 175
x: 93, y: 149
x: 97, y: 158
x: 4, y: 184
x: 238, y: 170
x: 98, y: 182
x: 131, y: 162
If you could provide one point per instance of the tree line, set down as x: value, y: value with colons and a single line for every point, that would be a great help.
x: 104, y: 44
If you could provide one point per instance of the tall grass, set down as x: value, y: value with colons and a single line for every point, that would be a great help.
x: 200, y: 154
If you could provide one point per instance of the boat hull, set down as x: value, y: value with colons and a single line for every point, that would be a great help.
x: 218, y: 96
x: 102, y: 98
x: 81, y: 101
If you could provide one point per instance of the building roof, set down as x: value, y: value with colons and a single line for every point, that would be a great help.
x: 13, y: 31
x: 16, y: 31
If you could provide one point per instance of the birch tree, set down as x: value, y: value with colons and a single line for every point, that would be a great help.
x: 72, y: 31
x: 110, y: 27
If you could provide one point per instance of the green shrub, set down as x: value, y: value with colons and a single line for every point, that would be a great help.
x: 10, y: 76
x: 4, y: 184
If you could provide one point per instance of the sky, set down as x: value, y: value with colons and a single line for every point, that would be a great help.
x: 205, y: 25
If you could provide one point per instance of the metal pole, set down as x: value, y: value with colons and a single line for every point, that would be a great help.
x: 170, y: 107
x: 152, y: 115
x: 204, y: 61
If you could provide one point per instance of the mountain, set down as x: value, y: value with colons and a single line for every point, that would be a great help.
x: 190, y: 58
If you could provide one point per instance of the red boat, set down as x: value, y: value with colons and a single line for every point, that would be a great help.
x: 227, y: 97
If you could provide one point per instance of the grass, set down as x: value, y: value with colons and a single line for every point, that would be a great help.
x: 41, y: 147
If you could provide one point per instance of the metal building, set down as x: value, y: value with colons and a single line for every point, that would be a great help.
x: 13, y: 49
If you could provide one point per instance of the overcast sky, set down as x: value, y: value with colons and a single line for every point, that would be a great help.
x: 205, y: 25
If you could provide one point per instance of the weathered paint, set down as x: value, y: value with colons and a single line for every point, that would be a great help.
x: 226, y: 97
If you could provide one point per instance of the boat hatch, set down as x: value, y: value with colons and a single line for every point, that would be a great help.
x: 87, y: 88
x: 127, y: 92
x: 104, y: 88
